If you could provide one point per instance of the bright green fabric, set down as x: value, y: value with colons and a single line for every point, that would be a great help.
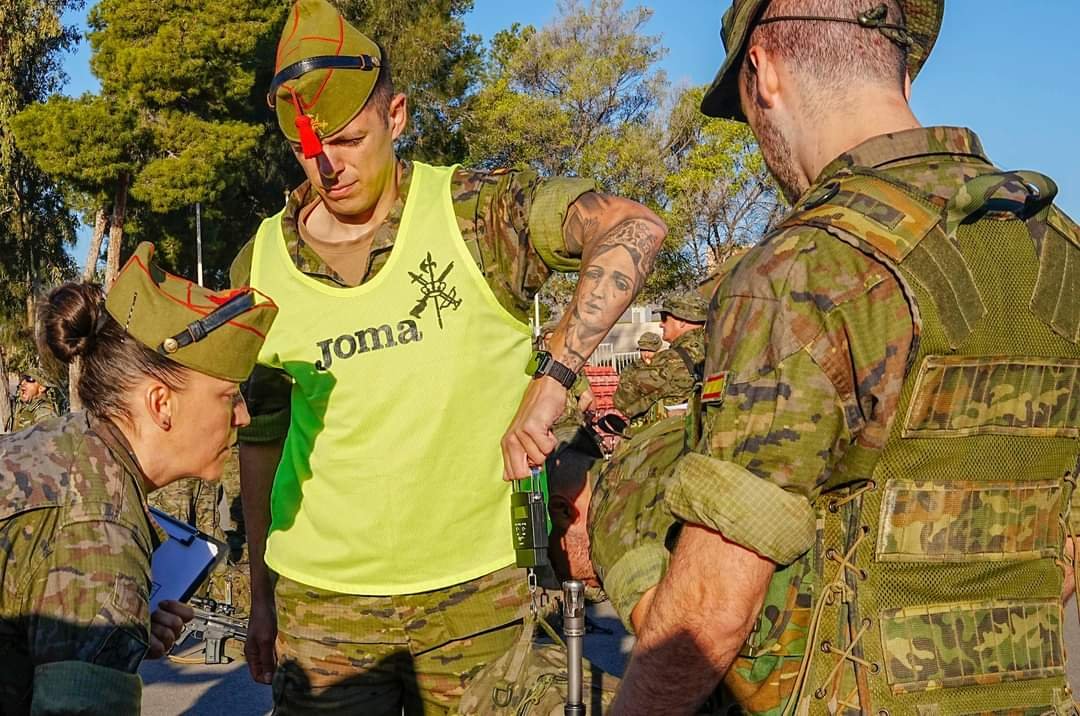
x: 390, y: 476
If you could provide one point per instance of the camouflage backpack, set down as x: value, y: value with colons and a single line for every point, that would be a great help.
x: 530, y: 680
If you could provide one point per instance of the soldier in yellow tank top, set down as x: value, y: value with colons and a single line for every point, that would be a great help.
x: 393, y: 398
x: 883, y: 482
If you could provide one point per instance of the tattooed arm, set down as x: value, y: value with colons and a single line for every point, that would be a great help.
x: 617, y: 240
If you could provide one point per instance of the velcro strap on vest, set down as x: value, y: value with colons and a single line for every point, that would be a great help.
x: 971, y: 643
x: 958, y: 396
x: 898, y: 225
x: 1056, y: 299
x: 961, y: 521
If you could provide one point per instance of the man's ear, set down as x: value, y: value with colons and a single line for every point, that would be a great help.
x: 907, y: 85
x: 399, y: 114
x: 764, y: 76
x: 159, y: 400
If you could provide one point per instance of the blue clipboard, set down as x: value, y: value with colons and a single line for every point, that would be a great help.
x: 181, y: 563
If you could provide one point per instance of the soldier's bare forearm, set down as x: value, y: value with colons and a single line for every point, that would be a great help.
x: 258, y: 463
x: 618, y: 240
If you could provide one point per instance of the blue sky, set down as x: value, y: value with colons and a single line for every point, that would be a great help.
x: 1009, y: 70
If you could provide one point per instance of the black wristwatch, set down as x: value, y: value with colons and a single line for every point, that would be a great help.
x: 543, y: 364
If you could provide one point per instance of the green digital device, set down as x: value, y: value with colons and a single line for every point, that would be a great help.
x: 530, y: 520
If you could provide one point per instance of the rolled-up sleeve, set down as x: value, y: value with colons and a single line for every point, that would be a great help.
x: 747, y: 510
x: 551, y: 199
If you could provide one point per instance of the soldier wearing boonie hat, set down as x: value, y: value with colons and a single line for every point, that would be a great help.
x: 405, y: 292
x: 873, y: 391
x: 162, y: 360
x: 650, y: 392
x: 649, y: 341
x: 33, y: 403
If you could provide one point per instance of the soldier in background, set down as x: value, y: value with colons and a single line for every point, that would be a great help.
x: 33, y: 402
x: 648, y: 393
x: 648, y: 344
x: 887, y: 388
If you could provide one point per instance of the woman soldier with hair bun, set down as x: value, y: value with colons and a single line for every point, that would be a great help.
x: 162, y: 360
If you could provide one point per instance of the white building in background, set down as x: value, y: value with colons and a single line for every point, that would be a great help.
x: 619, y: 348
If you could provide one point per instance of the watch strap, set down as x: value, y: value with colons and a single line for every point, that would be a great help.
x: 559, y: 371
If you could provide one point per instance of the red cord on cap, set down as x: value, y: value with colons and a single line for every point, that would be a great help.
x: 309, y: 141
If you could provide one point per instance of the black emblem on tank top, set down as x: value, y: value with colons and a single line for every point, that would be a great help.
x: 434, y: 290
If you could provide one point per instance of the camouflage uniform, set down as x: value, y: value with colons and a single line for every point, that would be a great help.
x: 530, y: 680
x: 630, y: 526
x: 810, y: 345
x: 647, y: 341
x: 27, y: 414
x: 631, y: 531
x: 645, y: 390
x: 76, y: 532
x: 76, y: 569
x: 512, y: 224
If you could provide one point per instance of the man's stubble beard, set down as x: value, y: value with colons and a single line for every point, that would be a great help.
x: 776, y: 151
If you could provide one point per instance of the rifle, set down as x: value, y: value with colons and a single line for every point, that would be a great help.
x: 214, y: 624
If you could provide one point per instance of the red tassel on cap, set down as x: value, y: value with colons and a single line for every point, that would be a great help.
x: 309, y: 141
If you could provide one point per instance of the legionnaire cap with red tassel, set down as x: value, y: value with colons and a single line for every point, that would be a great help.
x: 323, y: 75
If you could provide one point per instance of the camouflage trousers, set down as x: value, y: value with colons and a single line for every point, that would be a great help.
x: 342, y: 653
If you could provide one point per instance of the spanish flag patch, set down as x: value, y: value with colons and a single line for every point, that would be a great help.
x: 714, y: 387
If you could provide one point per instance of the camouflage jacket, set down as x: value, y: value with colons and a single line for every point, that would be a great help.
x: 74, y: 603
x: 511, y: 222
x: 629, y: 523
x: 807, y: 348
x: 26, y: 414
x: 667, y: 380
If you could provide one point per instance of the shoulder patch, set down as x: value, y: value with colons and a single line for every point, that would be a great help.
x: 889, y: 219
x: 715, y: 387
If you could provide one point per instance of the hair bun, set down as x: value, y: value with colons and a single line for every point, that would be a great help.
x: 70, y: 319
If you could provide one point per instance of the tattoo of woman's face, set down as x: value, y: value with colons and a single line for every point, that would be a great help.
x: 606, y: 283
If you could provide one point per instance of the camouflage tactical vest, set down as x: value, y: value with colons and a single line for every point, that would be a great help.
x: 938, y: 580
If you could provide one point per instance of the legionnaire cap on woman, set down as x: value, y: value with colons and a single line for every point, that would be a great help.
x: 916, y: 32
x: 324, y: 73
x: 218, y: 333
